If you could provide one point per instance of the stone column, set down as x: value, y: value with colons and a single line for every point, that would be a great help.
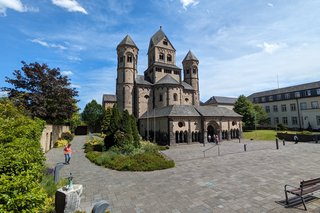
x: 68, y: 200
x: 172, y: 138
x: 189, y: 132
x: 228, y: 132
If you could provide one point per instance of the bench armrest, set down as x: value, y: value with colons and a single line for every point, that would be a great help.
x: 287, y: 185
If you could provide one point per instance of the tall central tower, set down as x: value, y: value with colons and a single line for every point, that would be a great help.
x: 127, y: 52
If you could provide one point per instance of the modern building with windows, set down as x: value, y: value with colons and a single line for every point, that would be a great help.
x: 166, y: 98
x: 297, y: 107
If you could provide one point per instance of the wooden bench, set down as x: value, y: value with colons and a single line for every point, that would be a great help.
x: 307, y: 187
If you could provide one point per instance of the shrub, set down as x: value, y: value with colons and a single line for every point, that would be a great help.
x: 67, y: 136
x: 60, y: 143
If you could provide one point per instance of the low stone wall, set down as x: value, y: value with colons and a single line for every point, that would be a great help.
x: 50, y: 134
x: 302, y: 137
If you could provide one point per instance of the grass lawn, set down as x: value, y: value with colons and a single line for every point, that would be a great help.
x: 260, y: 134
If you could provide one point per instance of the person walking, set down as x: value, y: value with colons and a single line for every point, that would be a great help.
x: 296, y: 139
x: 67, y: 153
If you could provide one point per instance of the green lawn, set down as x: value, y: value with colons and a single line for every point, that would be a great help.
x: 260, y: 135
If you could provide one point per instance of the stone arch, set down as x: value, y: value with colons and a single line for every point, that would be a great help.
x: 177, y: 136
x: 193, y: 137
x: 185, y: 136
x: 181, y: 136
x: 213, y: 128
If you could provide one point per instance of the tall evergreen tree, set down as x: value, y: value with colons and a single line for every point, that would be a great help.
x: 126, y: 126
x: 115, y: 119
x: 106, y: 120
x: 135, y: 132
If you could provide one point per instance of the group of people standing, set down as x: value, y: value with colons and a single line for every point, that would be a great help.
x: 214, y: 138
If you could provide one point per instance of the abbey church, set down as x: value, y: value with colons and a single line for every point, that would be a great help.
x: 166, y: 98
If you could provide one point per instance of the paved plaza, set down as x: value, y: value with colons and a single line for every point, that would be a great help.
x: 234, y: 181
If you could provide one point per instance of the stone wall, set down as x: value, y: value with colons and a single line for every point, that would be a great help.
x: 50, y: 134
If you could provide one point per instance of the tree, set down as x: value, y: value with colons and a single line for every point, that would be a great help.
x: 93, y: 114
x: 106, y: 120
x: 245, y: 108
x: 43, y: 92
x: 261, y: 116
x: 135, y: 132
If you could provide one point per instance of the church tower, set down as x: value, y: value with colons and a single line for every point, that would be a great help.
x: 190, y: 70
x: 127, y: 52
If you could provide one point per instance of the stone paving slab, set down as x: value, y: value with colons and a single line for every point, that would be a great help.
x: 235, y: 181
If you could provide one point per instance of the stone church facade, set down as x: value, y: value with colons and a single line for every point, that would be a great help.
x: 165, y: 99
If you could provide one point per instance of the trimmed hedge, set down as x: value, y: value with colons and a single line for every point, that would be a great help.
x: 21, y: 161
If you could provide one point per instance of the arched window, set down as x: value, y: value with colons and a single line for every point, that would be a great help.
x: 175, y: 97
x: 188, y: 71
x: 194, y: 70
x: 169, y: 58
x: 160, y: 97
x: 129, y: 58
x: 161, y: 56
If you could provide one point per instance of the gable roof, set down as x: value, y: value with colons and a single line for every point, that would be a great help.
x: 109, y: 98
x: 140, y: 80
x: 157, y: 37
x: 187, y: 86
x: 220, y: 100
x: 190, y: 56
x: 167, y: 79
x: 127, y: 41
x: 216, y: 111
x: 172, y: 111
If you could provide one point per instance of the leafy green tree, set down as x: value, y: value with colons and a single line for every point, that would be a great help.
x: 261, y: 116
x: 245, y: 108
x: 93, y: 114
x: 75, y: 121
x: 44, y: 92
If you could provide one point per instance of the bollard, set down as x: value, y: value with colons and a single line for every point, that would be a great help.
x: 277, y: 143
x: 245, y: 147
x: 57, y: 169
x: 239, y: 140
x: 283, y: 143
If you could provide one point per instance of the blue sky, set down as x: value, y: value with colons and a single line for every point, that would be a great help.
x: 243, y: 46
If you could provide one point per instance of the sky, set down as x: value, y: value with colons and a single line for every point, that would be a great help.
x: 243, y: 46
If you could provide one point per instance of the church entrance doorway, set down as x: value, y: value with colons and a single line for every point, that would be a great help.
x: 210, y: 133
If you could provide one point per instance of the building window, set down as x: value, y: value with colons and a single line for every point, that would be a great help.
x: 270, y: 98
x: 188, y: 71
x: 276, y: 120
x: 318, y: 91
x: 165, y: 42
x: 283, y: 108
x: 121, y: 59
x: 161, y: 56
x: 160, y: 98
x: 158, y: 69
x: 167, y: 71
x: 294, y: 120
x: 287, y: 96
x: 268, y: 109
x: 275, y: 108
x: 256, y: 100
x: 285, y: 120
x: 263, y: 99
x: 314, y: 105
x: 318, y: 120
x: 303, y: 105
x: 175, y: 97
x: 194, y: 70
x: 176, y: 72
x: 293, y: 107
x: 129, y: 58
x: 169, y: 58
x: 297, y: 94
x: 186, y: 99
x: 181, y: 124
x: 279, y: 97
x: 307, y: 93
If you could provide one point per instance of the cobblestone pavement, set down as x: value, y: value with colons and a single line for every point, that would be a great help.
x: 235, y: 181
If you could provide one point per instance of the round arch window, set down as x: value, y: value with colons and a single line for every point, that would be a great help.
x: 180, y: 124
x: 234, y: 123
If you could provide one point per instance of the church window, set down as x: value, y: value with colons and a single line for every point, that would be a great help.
x: 129, y: 58
x: 175, y: 97
x: 165, y: 42
x: 186, y: 99
x: 160, y: 97
x: 188, y: 71
x: 121, y: 59
x: 161, y: 56
x: 181, y: 124
x: 158, y: 69
x: 167, y: 71
x: 169, y: 58
x: 194, y: 70
x: 176, y: 72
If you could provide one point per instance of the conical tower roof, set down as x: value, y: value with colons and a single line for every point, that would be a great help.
x: 190, y: 56
x: 127, y: 41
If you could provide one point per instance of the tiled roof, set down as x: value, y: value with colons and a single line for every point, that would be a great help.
x: 109, y: 98
x: 216, y: 111
x: 187, y: 86
x: 140, y: 80
x: 190, y: 56
x: 157, y: 37
x: 286, y: 89
x: 127, y: 41
x: 172, y: 111
x: 167, y: 79
x: 172, y: 66
x: 220, y: 100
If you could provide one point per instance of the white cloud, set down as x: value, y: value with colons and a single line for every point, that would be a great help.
x: 15, y: 5
x: 74, y: 58
x: 270, y: 5
x: 186, y: 3
x: 3, y: 94
x: 67, y: 72
x: 75, y: 86
x: 270, y: 47
x: 70, y: 5
x: 46, y: 44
